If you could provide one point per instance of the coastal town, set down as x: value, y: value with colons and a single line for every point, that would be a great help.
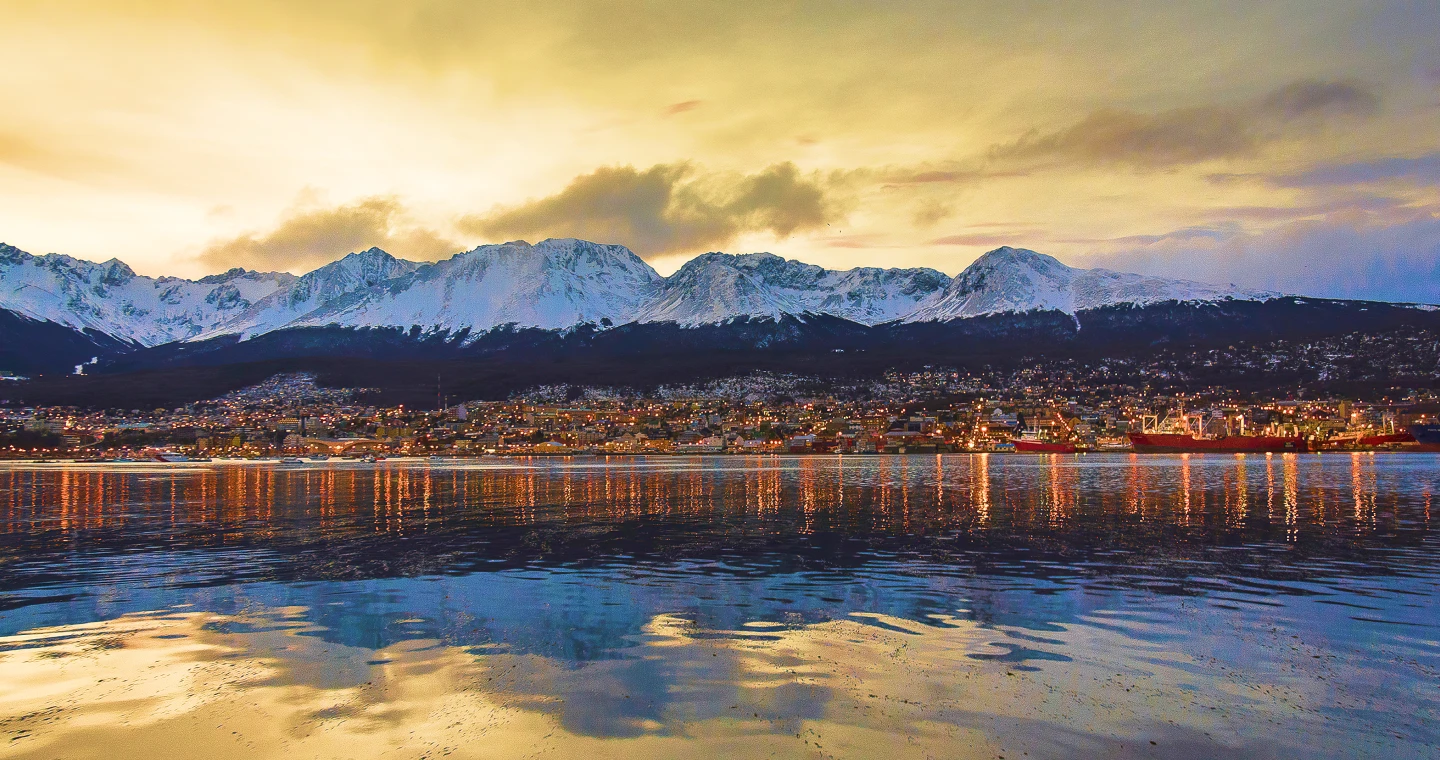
x: 925, y: 412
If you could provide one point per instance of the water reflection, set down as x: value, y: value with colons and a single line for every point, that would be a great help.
x: 927, y: 605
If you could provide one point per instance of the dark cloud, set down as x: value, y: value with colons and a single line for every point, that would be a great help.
x: 1309, y: 99
x: 1420, y: 169
x: 949, y: 173
x: 311, y: 238
x: 668, y: 208
x: 936, y: 176
x: 1192, y: 135
x: 1173, y: 137
x: 931, y: 211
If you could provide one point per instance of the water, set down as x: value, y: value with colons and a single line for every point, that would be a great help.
x: 896, y: 607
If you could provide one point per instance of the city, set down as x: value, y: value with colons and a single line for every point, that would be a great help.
x: 924, y: 412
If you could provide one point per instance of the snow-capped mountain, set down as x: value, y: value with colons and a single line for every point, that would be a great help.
x: 326, y: 287
x: 110, y: 298
x: 552, y: 285
x: 1019, y: 280
x: 716, y: 287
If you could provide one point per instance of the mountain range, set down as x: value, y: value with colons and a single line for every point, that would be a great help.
x: 500, y: 318
x: 556, y: 284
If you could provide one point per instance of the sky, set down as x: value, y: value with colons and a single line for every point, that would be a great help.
x: 1291, y: 145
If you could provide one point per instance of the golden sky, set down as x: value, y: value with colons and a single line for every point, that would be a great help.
x: 1292, y: 145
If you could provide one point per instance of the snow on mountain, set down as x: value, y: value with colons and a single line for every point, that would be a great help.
x: 111, y: 298
x: 712, y: 288
x: 554, y: 284
x: 324, y: 288
x: 1018, y: 280
x: 716, y: 287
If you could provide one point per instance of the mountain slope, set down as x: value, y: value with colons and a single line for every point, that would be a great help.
x: 110, y: 298
x: 406, y: 363
x: 29, y: 345
x: 321, y: 289
x: 1019, y: 280
x: 718, y: 287
x: 554, y: 284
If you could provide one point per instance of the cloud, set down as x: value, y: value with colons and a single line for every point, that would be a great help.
x: 681, y: 107
x: 1216, y: 232
x: 935, y: 173
x: 1387, y: 254
x: 1179, y: 136
x: 1195, y: 134
x: 1422, y: 169
x: 1310, y: 98
x: 668, y: 208
x: 973, y: 240
x: 48, y: 155
x: 306, y: 239
x: 932, y: 211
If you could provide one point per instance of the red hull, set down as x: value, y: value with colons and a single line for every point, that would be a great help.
x: 1171, y: 443
x: 1042, y: 447
x: 1383, y: 440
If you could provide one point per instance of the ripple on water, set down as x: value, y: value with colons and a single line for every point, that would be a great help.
x: 1055, y: 606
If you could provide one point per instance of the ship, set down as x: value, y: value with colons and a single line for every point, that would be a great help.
x: 1030, y: 442
x: 1427, y: 436
x: 1366, y: 440
x: 1043, y: 439
x: 1200, y: 433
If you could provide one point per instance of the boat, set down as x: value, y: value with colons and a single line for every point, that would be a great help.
x: 292, y: 460
x: 170, y: 456
x: 1366, y: 440
x: 1030, y: 442
x: 1199, y: 433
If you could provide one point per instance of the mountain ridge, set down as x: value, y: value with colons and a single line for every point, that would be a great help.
x: 556, y: 284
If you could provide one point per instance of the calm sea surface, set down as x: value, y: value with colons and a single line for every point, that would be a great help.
x: 889, y: 607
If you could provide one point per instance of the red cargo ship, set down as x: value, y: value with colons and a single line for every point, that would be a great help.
x: 1197, y: 434
x: 1177, y: 443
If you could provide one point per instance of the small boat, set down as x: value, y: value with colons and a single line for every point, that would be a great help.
x: 1023, y: 446
x: 1030, y: 442
x: 292, y: 460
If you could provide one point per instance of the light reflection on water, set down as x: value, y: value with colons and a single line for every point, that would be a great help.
x: 949, y: 606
